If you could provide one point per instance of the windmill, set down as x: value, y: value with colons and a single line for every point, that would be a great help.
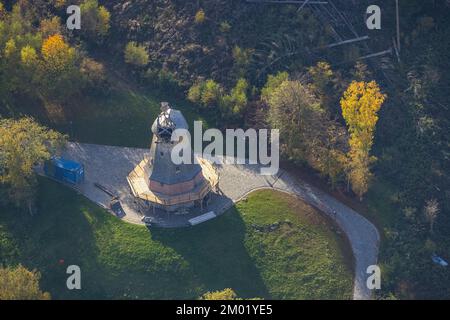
x: 163, y: 184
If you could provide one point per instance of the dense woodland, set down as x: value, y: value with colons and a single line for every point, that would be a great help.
x: 376, y: 130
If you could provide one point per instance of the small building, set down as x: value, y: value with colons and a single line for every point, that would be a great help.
x: 64, y: 170
x: 163, y: 183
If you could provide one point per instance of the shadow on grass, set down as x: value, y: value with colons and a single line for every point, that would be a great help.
x: 215, y: 251
x: 59, y: 235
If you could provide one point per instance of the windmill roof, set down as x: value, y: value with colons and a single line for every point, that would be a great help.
x: 175, y: 116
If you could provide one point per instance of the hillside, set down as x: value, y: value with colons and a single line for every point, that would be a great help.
x: 231, y: 64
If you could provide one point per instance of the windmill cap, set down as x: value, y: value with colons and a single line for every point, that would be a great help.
x: 169, y: 118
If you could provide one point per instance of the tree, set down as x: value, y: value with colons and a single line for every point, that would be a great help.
x: 211, y: 93
x: 237, y: 99
x: 50, y: 27
x: 322, y: 77
x: 16, y: 32
x: 29, y: 61
x: 18, y: 283
x: 10, y: 56
x: 361, y: 72
x: 58, y: 56
x: 59, y: 71
x: 10, y: 48
x: 207, y: 93
x: 273, y: 82
x: 360, y: 105
x: 325, y: 83
x: 200, y: 16
x: 93, y: 73
x: 195, y: 92
x: 96, y: 19
x: 103, y: 21
x: 47, y: 69
x: 136, y: 54
x: 224, y: 27
x: 24, y: 144
x: 242, y: 59
x: 431, y: 211
x: 29, y: 57
x: 307, y: 135
x: 225, y: 294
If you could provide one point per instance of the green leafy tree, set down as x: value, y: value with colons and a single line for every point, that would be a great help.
x: 136, y: 54
x: 242, y: 58
x: 29, y: 60
x: 326, y: 84
x: 211, y: 93
x: 206, y: 93
x: 195, y: 92
x: 23, y: 145
x: 236, y: 101
x: 95, y: 19
x: 273, y: 82
x: 225, y: 294
x: 307, y: 135
x: 15, y: 33
x: 28, y: 56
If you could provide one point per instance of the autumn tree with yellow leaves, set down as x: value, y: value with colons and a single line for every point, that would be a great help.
x: 360, y: 105
x: 18, y: 283
x: 58, y: 56
x: 225, y: 294
x: 59, y: 68
x: 39, y: 61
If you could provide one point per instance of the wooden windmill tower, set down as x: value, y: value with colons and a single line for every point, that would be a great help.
x: 161, y: 182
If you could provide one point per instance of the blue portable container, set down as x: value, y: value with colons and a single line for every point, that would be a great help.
x: 64, y: 170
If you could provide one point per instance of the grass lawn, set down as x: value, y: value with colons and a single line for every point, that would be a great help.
x: 123, y: 118
x: 302, y: 259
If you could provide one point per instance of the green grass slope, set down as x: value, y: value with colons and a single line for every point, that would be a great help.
x: 302, y: 259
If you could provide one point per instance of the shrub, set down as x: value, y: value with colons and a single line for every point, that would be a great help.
x: 207, y: 93
x: 225, y: 294
x: 200, y: 16
x: 20, y: 284
x: 224, y: 27
x: 136, y: 54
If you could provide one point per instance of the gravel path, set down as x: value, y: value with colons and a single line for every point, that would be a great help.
x: 109, y: 167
